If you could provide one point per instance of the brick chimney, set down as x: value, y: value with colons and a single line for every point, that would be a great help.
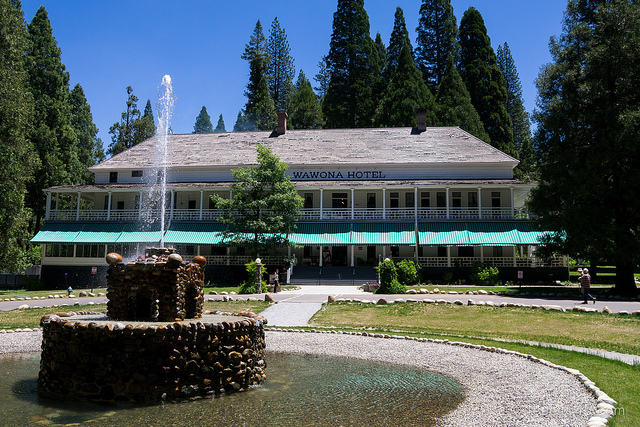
x: 422, y: 120
x: 282, y: 122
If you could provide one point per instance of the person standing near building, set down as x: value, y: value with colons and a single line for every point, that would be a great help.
x: 585, y: 285
x: 276, y: 280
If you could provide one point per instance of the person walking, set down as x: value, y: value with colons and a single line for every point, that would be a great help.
x: 276, y: 280
x: 585, y: 285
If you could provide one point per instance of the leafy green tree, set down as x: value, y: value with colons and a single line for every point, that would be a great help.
x: 280, y: 67
x: 132, y: 128
x: 484, y: 80
x: 437, y: 39
x: 405, y: 95
x: 52, y: 134
x: 304, y: 109
x: 588, y: 136
x: 220, y: 126
x: 354, y: 68
x: 19, y: 159
x: 515, y: 107
x: 454, y: 107
x: 264, y: 208
x: 203, y: 122
x: 90, y: 149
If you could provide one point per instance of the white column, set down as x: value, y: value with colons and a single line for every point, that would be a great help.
x: 353, y: 204
x: 448, y: 256
x: 109, y: 207
x: 228, y: 255
x: 415, y: 203
x: 479, y: 203
x: 384, y: 204
x: 48, y: 208
x: 353, y: 252
x: 321, y: 208
x: 201, y: 201
x: 513, y: 209
x: 140, y: 196
x: 447, y: 202
x: 173, y: 198
x: 78, y: 207
x: 514, y: 256
x: 482, y: 254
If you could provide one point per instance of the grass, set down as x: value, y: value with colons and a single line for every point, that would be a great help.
x: 593, y: 330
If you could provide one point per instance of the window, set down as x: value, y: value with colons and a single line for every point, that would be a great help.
x: 442, y: 251
x: 441, y: 199
x: 497, y: 251
x: 495, y: 199
x: 409, y: 200
x: 394, y: 200
x: 218, y: 250
x: 90, y: 251
x: 191, y: 204
x: 425, y: 199
x: 456, y: 199
x: 113, y: 177
x: 212, y: 204
x: 136, y: 174
x: 371, y: 200
x: 308, y: 200
x: 465, y: 251
x: 395, y: 251
x: 120, y: 205
x: 339, y: 200
x: 472, y: 199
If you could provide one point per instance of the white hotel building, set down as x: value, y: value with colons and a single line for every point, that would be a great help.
x: 439, y: 196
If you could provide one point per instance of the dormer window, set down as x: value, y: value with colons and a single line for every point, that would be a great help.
x: 113, y: 177
x: 136, y: 174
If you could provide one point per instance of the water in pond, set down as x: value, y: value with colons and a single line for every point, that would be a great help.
x: 300, y: 391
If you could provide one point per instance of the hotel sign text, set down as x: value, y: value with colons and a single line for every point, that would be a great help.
x: 337, y: 175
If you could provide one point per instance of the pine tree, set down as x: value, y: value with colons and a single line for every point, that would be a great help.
x: 405, y: 95
x: 263, y: 115
x: 256, y: 54
x: 588, y: 120
x: 241, y: 123
x: 399, y: 38
x: 304, y: 108
x: 351, y: 98
x: 484, y: 80
x: 53, y: 135
x: 323, y: 78
x: 203, y: 122
x: 437, y: 39
x: 133, y: 128
x: 220, y: 126
x: 280, y: 69
x: 90, y: 149
x: 515, y: 107
x: 19, y: 159
x: 381, y: 50
x: 454, y: 107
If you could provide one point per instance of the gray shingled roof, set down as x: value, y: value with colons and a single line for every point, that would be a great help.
x: 317, y: 147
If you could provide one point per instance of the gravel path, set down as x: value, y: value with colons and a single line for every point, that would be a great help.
x: 290, y: 314
x: 501, y: 389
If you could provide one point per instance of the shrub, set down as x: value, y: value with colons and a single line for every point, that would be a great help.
x: 389, y: 279
x: 249, y: 285
x: 484, y: 275
x: 408, y: 272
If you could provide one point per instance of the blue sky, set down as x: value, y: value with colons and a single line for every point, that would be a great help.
x: 109, y: 45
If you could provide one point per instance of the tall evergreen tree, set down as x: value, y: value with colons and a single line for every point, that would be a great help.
x: 323, y: 78
x: 19, y: 159
x: 399, y: 38
x: 304, y: 108
x: 203, y: 122
x: 515, y: 107
x: 381, y: 50
x: 437, y: 39
x: 351, y: 98
x: 453, y: 104
x: 589, y: 139
x: 133, y: 127
x: 241, y: 124
x: 280, y: 68
x: 90, y: 149
x: 405, y: 95
x: 484, y: 80
x: 53, y: 134
x: 263, y: 115
x: 220, y: 126
x: 256, y: 54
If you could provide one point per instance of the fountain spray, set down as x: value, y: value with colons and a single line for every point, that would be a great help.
x: 165, y: 110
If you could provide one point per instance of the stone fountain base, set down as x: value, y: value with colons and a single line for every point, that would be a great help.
x: 91, y: 357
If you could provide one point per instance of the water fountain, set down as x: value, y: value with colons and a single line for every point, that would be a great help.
x: 168, y: 349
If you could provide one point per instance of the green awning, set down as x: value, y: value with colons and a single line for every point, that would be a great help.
x: 106, y: 233
x: 133, y: 233
x: 193, y: 233
x: 57, y: 233
x: 443, y: 234
x: 321, y: 234
x: 383, y: 234
x: 493, y: 234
